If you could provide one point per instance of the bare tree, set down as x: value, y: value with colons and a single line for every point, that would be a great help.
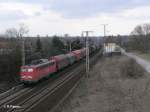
x: 146, y: 28
x: 11, y: 32
x: 143, y: 29
x: 23, y: 30
x: 140, y: 38
x: 137, y: 30
x: 19, y: 33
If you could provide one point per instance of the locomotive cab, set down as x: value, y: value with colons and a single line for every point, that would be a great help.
x: 27, y: 73
x: 37, y: 70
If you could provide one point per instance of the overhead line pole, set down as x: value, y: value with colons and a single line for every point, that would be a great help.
x: 104, y: 29
x: 87, y: 52
x: 23, y: 51
x: 70, y: 47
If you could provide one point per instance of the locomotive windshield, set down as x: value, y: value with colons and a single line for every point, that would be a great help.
x: 35, y: 62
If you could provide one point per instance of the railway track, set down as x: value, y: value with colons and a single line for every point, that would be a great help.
x: 35, y: 101
x: 11, y: 91
x: 44, y: 96
x: 9, y: 97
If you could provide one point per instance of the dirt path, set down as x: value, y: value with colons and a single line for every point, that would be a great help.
x: 142, y: 62
x: 109, y: 89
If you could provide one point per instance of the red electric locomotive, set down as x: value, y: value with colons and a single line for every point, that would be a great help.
x: 37, y: 70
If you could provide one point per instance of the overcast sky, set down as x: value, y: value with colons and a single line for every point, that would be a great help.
x: 73, y: 16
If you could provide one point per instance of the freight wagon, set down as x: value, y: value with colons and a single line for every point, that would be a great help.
x: 77, y: 54
x: 83, y: 52
x: 61, y: 61
x: 71, y: 58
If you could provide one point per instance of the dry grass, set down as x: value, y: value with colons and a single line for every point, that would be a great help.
x: 129, y: 68
x: 116, y: 84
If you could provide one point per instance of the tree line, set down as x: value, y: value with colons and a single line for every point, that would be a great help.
x: 35, y: 48
x: 139, y: 39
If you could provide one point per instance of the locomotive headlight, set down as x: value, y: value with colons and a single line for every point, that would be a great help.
x: 23, y: 70
x: 30, y: 77
x: 30, y: 70
x: 23, y: 76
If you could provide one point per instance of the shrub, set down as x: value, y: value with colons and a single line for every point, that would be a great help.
x: 130, y: 68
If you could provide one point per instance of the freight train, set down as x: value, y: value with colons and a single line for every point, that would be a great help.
x: 42, y: 68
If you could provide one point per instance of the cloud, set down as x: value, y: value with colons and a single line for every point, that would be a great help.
x: 12, y: 13
x: 25, y: 1
x: 137, y: 13
x: 85, y: 8
x: 12, y: 16
x: 122, y: 22
x: 50, y: 17
x: 17, y: 11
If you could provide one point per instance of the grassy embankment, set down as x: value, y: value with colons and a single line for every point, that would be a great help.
x: 145, y: 56
x: 116, y: 84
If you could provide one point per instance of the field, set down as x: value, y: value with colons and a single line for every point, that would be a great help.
x: 116, y: 84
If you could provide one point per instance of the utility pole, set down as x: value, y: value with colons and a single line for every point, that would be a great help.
x: 104, y: 29
x: 87, y: 52
x: 104, y: 32
x: 23, y: 51
x: 70, y: 47
x: 21, y: 32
